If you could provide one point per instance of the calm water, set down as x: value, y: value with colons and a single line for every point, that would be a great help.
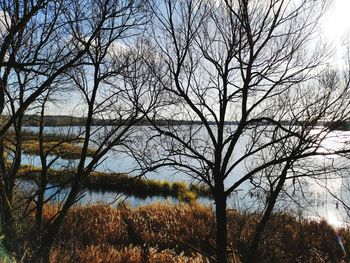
x: 315, y: 202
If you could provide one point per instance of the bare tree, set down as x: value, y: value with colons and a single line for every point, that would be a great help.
x: 91, y: 47
x: 325, y: 103
x: 28, y: 31
x: 115, y: 86
x: 241, y: 75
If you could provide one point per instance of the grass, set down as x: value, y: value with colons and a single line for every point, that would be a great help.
x: 64, y: 146
x: 64, y: 150
x: 128, y: 235
x: 131, y: 254
x: 145, y: 187
x: 121, y: 182
x: 163, y: 232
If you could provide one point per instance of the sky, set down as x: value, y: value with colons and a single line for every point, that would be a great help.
x: 337, y: 19
x: 336, y: 25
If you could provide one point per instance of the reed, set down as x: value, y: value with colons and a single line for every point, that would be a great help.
x: 163, y: 232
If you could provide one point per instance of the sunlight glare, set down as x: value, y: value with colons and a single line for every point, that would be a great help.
x: 336, y: 26
x: 333, y: 220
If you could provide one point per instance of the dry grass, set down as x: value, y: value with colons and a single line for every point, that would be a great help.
x: 130, y: 254
x: 100, y: 233
x: 164, y: 232
x: 105, y: 226
x: 64, y: 150
x: 160, y: 224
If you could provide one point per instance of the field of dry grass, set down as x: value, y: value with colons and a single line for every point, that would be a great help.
x: 164, y: 232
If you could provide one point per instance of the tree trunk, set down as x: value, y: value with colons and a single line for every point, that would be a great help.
x: 221, y: 228
x: 39, y: 217
x: 252, y: 257
x: 43, y: 254
x: 47, y: 240
x: 253, y: 249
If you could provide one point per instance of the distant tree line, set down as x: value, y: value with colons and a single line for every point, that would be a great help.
x: 64, y: 120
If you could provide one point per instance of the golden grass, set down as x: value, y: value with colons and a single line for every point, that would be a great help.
x: 130, y: 254
x: 64, y: 150
x: 100, y: 233
x: 161, y: 232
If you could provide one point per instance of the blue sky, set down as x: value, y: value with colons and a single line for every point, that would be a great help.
x: 335, y: 29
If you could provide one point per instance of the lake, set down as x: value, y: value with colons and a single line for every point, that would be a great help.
x: 315, y: 202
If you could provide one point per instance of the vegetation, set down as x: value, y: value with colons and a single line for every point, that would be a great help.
x: 64, y: 150
x: 49, y: 47
x: 253, y: 62
x: 4, y: 255
x: 342, y: 126
x: 163, y: 232
x: 66, y: 146
x: 71, y: 121
x: 121, y: 182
